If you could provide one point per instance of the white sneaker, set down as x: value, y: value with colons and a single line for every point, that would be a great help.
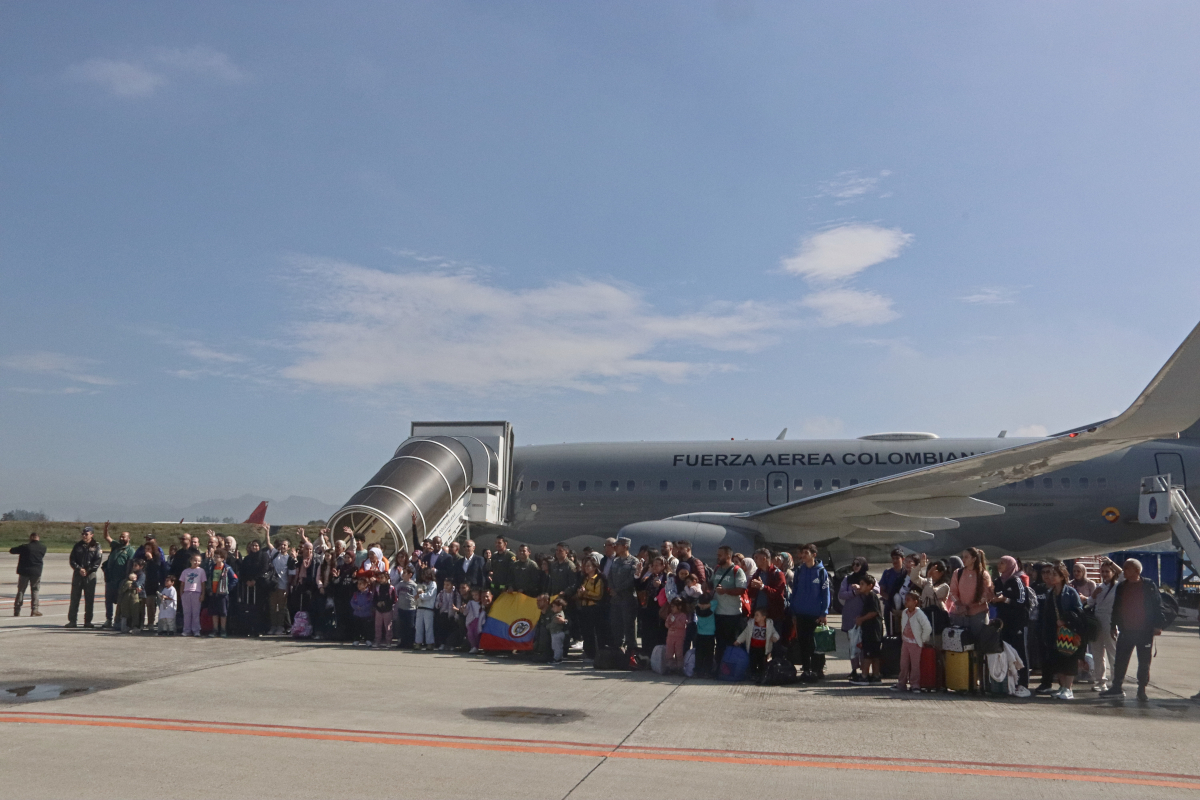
x: 1100, y: 687
x: 1065, y: 694
x: 474, y: 650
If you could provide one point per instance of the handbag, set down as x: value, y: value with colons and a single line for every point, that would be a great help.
x: 1067, y: 642
x: 824, y: 640
x: 957, y: 640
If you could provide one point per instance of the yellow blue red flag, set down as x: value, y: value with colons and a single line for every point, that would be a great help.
x: 510, y: 622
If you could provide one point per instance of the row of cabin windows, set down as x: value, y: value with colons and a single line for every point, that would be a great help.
x: 759, y: 484
x: 582, y: 486
x: 1065, y: 483
x: 728, y: 485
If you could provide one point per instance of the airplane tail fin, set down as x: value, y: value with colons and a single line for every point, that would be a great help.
x: 258, y: 516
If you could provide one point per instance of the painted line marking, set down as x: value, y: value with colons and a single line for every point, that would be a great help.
x: 536, y: 747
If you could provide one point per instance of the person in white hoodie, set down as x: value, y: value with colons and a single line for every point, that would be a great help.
x: 914, y: 633
x: 426, y: 600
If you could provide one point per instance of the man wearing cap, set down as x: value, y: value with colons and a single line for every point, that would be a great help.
x: 29, y: 573
x: 85, y: 561
x: 623, y: 572
x: 116, y: 569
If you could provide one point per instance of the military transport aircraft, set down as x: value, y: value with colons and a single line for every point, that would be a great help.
x: 1072, y: 493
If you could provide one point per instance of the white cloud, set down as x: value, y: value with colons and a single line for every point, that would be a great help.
x: 120, y: 78
x: 58, y: 365
x: 850, y: 307
x: 378, y: 328
x: 851, y: 185
x: 203, y: 352
x: 1032, y: 430
x: 144, y: 77
x: 843, y: 252
x: 200, y: 60
x: 991, y: 296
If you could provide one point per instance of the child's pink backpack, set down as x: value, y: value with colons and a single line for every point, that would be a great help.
x: 301, y: 627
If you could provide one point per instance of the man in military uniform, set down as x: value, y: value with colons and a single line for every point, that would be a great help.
x: 623, y: 573
x: 85, y: 561
x: 527, y: 578
x: 502, y: 567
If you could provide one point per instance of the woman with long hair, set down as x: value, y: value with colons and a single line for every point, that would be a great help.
x: 592, y: 590
x: 971, y: 590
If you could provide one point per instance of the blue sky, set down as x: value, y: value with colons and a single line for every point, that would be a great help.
x: 244, y: 244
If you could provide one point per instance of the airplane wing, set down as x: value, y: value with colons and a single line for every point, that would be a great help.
x: 935, y: 497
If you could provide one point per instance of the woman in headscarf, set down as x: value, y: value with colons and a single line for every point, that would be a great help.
x: 1060, y: 614
x: 1012, y: 611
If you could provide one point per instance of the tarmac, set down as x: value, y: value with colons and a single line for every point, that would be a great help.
x: 100, y: 714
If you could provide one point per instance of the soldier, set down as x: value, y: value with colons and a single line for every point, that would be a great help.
x: 527, y: 577
x: 85, y: 561
x: 623, y: 572
x: 502, y: 567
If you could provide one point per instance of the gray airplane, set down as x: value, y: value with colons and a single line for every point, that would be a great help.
x: 1070, y: 494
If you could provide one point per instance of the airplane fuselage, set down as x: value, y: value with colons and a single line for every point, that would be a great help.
x: 583, y: 492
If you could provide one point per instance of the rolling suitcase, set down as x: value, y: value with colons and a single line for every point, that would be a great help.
x: 929, y: 669
x: 889, y: 657
x: 958, y: 671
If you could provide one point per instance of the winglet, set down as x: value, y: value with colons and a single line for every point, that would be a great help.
x: 258, y: 516
x: 782, y: 434
x: 1169, y: 404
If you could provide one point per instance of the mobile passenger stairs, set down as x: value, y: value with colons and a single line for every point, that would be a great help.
x: 442, y: 478
x: 1165, y: 502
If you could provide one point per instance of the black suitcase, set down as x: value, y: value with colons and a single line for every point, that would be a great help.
x: 780, y: 672
x: 889, y: 657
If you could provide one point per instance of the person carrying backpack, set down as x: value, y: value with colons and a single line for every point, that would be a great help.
x: 1013, y: 601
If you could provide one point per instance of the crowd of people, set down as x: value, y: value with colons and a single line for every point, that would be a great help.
x: 912, y: 622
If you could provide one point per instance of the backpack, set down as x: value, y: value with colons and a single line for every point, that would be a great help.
x: 780, y: 672
x: 301, y: 627
x: 734, y: 663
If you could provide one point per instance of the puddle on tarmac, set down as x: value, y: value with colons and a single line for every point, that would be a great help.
x: 32, y: 692
x: 523, y: 715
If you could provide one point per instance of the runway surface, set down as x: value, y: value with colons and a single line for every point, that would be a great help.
x: 143, y: 716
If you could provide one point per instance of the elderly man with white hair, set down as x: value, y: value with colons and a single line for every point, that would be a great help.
x: 1137, y: 618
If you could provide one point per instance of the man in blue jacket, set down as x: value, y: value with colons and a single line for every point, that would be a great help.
x: 810, y: 604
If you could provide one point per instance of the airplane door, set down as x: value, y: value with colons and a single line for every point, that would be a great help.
x: 777, y: 488
x: 1172, y: 463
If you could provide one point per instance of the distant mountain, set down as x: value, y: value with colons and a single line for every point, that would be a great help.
x: 294, y: 510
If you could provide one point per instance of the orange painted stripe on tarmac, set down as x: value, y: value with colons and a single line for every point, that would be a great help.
x: 600, y: 751
x: 640, y: 748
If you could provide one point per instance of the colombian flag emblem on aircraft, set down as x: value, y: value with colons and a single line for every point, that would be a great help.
x: 510, y: 622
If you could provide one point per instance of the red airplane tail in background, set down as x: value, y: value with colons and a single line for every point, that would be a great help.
x: 258, y: 516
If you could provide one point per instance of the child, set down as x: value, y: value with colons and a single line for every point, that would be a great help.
x: 556, y: 623
x: 462, y: 596
x: 193, y: 579
x: 129, y: 603
x: 384, y: 595
x: 362, y: 605
x: 426, y: 600
x: 406, y: 607
x: 706, y: 636
x: 758, y: 638
x: 475, y: 615
x: 914, y: 633
x: 677, y: 625
x: 167, y: 598
x: 446, y: 609
x: 870, y: 625
x: 221, y: 581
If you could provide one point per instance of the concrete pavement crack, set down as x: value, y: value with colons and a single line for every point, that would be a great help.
x: 619, y: 744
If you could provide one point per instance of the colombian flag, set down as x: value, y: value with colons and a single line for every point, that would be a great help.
x: 509, y: 623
